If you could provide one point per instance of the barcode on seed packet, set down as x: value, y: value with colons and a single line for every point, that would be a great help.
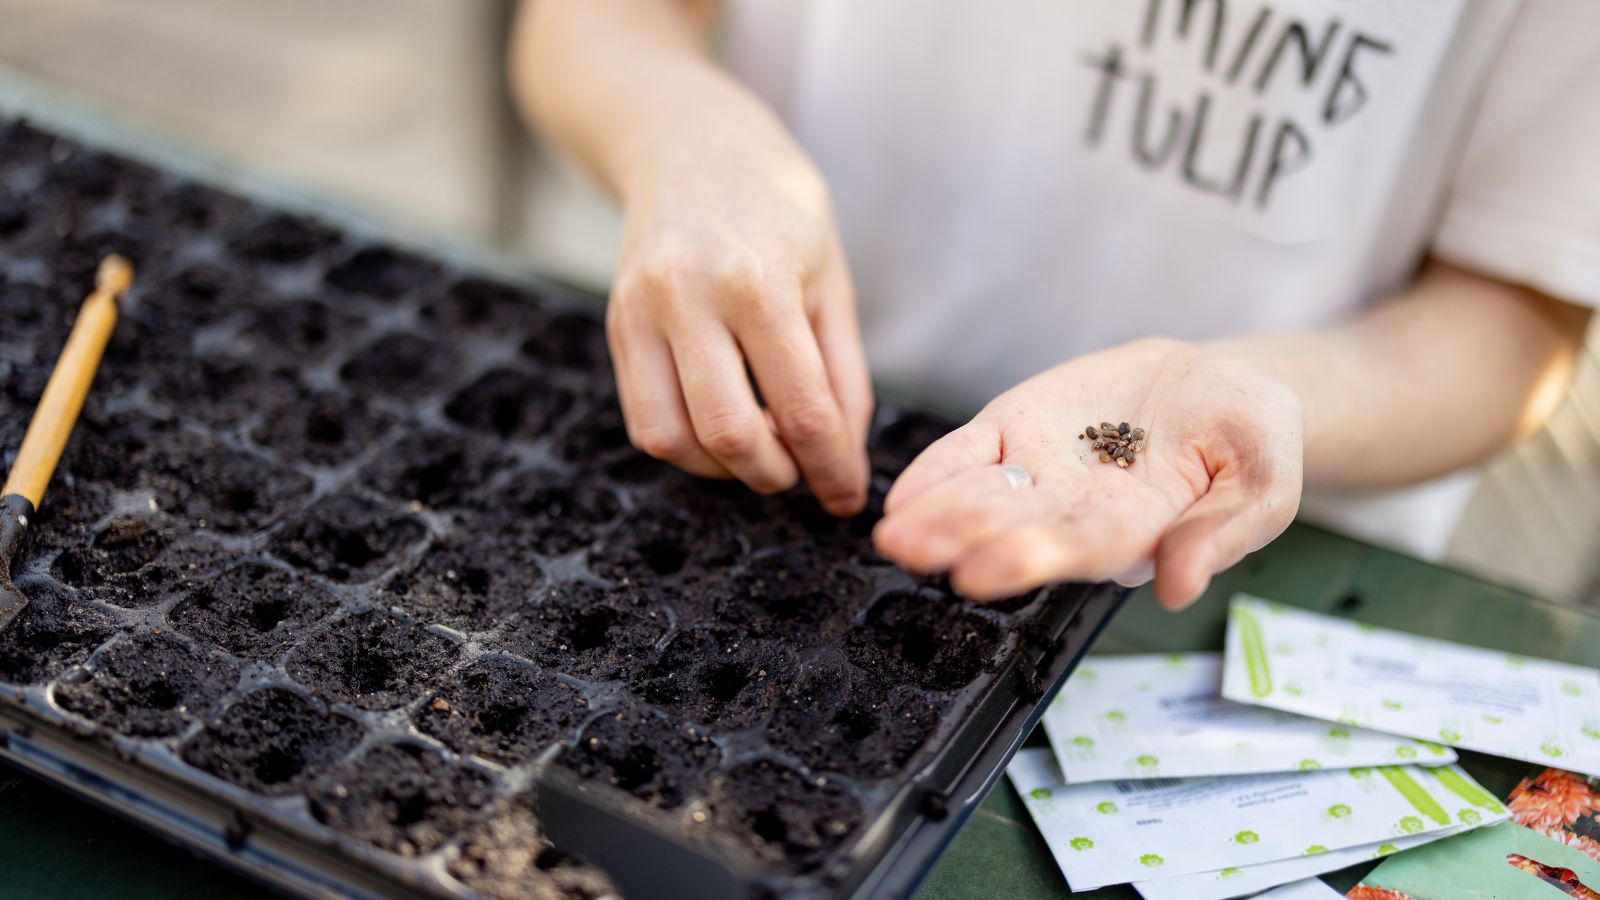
x: 1146, y: 784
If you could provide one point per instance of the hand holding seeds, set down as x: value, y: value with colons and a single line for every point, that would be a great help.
x: 1206, y: 468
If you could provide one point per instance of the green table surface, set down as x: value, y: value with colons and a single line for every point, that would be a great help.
x: 58, y: 847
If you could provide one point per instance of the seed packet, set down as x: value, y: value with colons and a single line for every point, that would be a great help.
x: 1308, y: 889
x: 1163, y: 716
x: 1363, y: 676
x: 1111, y: 832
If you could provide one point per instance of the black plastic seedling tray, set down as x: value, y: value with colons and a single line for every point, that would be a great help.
x: 349, y: 556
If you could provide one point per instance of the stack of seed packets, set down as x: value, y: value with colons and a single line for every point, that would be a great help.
x: 1163, y: 716
x: 1315, y: 665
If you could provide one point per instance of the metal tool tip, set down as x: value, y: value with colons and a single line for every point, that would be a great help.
x: 115, y: 274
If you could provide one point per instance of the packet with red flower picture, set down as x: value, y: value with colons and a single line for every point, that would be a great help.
x: 1553, y: 839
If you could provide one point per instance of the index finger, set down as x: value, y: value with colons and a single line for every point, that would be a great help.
x: 787, y: 363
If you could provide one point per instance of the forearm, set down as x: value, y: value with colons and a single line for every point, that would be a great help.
x: 626, y: 87
x: 1442, y: 376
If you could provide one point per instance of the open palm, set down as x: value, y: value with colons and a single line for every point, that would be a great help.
x: 1220, y: 476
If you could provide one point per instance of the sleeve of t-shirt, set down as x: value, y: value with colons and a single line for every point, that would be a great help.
x: 1524, y: 204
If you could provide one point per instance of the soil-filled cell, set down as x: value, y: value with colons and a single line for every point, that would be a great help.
x: 147, y: 685
x: 291, y: 332
x: 501, y: 709
x: 551, y: 516
x: 215, y: 487
x: 371, y: 660
x: 382, y: 272
x: 403, y: 798
x: 322, y: 428
x: 482, y: 305
x: 782, y: 817
x: 347, y: 538
x: 469, y: 582
x: 135, y: 562
x: 589, y: 632
x: 654, y: 542
x: 54, y: 631
x: 435, y: 468
x: 509, y: 404
x: 223, y: 392
x: 797, y: 594
x: 838, y: 718
x: 718, y: 675
x: 926, y: 638
x: 269, y: 741
x: 570, y: 340
x: 506, y: 858
x: 644, y: 752
x: 285, y: 240
x: 251, y: 609
x: 399, y: 364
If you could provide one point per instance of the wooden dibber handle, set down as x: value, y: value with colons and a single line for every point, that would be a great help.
x: 69, y: 383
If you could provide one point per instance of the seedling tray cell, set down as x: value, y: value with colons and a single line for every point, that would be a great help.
x: 349, y: 554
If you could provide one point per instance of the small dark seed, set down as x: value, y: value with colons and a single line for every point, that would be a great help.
x: 1124, y: 428
x: 1137, y: 446
x: 1123, y: 463
x: 1105, y: 457
x: 1091, y: 431
x: 1138, y: 434
x: 1116, y: 452
x: 1108, y: 428
x: 1129, y: 458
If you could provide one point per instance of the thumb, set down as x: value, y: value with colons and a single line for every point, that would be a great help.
x: 1230, y: 520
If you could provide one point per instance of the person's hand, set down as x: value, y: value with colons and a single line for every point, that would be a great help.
x: 731, y: 258
x: 1219, y: 477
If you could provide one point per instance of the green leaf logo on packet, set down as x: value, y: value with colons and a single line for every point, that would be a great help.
x: 1230, y: 872
x: 1408, y: 825
x: 1246, y: 838
x: 1360, y: 772
x: 1384, y: 850
x: 1406, y: 751
x: 1084, y: 741
x: 1308, y: 765
x: 1082, y: 843
x: 1106, y: 808
x: 1115, y: 715
x: 1313, y: 850
x: 1591, y: 731
x: 1339, y: 811
x: 1151, y: 861
x: 1146, y: 761
x: 1551, y: 750
x: 1339, y: 733
x: 1040, y: 793
x: 1450, y: 735
x: 1469, y: 816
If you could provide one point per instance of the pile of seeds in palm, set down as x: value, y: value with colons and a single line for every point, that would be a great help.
x: 1120, y: 444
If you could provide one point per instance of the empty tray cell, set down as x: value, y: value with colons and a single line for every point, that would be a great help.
x: 506, y: 858
x: 570, y: 340
x: 501, y: 709
x: 589, y: 632
x: 399, y: 364
x: 483, y: 305
x: 146, y: 685
x: 467, y: 582
x: 322, y: 428
x: 382, y: 272
x: 838, y: 718
x: 787, y: 819
x: 347, y: 538
x: 134, y: 562
x: 927, y: 638
x: 269, y: 741
x: 53, y: 632
x: 251, y: 609
x: 718, y: 675
x: 200, y: 294
x: 285, y: 240
x: 645, y: 752
x: 371, y: 660
x: 508, y: 403
x: 404, y: 798
x: 435, y: 468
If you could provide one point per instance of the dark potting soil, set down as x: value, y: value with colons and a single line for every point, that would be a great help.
x: 343, y: 524
x: 147, y: 685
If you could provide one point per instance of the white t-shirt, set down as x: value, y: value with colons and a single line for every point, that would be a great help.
x: 1021, y: 181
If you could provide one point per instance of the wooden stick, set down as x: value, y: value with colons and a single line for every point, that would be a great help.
x: 69, y: 383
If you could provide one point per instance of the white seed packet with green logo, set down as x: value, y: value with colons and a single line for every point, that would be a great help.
x: 1308, y: 889
x: 1241, y: 881
x: 1316, y: 665
x: 1163, y: 716
x: 1113, y: 832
